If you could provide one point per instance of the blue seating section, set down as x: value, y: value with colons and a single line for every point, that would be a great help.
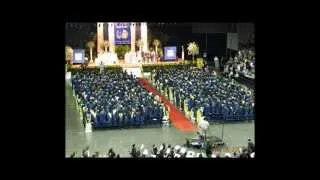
x: 117, y: 99
x: 220, y: 98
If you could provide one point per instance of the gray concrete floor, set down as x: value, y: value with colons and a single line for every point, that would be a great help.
x: 235, y: 134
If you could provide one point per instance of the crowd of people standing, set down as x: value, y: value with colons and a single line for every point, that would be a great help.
x: 114, y: 98
x: 169, y: 151
x: 204, y: 94
x: 242, y: 63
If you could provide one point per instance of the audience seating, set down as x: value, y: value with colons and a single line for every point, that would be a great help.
x: 220, y: 98
x: 116, y: 98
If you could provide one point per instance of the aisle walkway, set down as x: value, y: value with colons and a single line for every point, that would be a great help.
x: 176, y: 116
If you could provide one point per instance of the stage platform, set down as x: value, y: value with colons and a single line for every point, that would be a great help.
x: 131, y: 65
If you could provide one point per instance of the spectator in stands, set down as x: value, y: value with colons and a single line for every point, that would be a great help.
x: 171, y: 153
x: 96, y: 155
x: 209, y: 149
x: 164, y: 146
x: 73, y: 155
x: 184, y: 155
x: 111, y: 153
x: 235, y: 155
x: 251, y: 147
x: 216, y: 63
x: 161, y: 153
x: 187, y: 143
x: 133, y: 152
x: 85, y: 152
x: 154, y: 149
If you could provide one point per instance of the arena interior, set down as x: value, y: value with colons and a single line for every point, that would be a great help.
x: 159, y: 90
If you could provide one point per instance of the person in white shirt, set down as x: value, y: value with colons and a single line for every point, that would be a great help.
x: 214, y: 73
x: 101, y: 67
x: 216, y: 62
x: 236, y: 59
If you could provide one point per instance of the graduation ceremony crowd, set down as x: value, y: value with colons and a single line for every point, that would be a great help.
x: 168, y: 151
x: 243, y: 63
x: 114, y: 98
x: 201, y: 94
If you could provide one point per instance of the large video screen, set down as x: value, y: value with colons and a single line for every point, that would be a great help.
x: 170, y: 53
x: 78, y: 56
x: 122, y: 33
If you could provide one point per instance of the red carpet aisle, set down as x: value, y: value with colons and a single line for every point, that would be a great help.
x: 176, y: 116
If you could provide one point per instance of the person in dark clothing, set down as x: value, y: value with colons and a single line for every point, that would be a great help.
x: 96, y: 155
x: 235, y: 154
x: 85, y: 152
x: 161, y: 154
x: 155, y: 149
x: 250, y: 146
x: 244, y: 154
x: 184, y: 155
x: 164, y: 146
x: 171, y: 154
x: 138, y: 153
x: 111, y: 153
x: 73, y: 155
x: 133, y: 152
x: 118, y: 156
x: 187, y: 143
x: 209, y: 149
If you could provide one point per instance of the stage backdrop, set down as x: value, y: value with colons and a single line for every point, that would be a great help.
x: 122, y: 33
x: 170, y: 53
x: 78, y: 56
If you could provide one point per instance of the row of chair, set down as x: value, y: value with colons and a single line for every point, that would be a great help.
x: 101, y: 120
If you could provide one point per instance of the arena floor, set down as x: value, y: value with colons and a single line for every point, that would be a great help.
x: 235, y: 134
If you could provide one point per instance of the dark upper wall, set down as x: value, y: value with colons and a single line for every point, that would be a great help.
x: 244, y: 30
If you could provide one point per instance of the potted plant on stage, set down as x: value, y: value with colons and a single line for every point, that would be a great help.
x: 90, y: 45
x: 121, y: 50
x: 193, y: 49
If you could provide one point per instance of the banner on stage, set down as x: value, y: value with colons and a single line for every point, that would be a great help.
x: 78, y: 56
x: 170, y: 53
x: 122, y: 33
